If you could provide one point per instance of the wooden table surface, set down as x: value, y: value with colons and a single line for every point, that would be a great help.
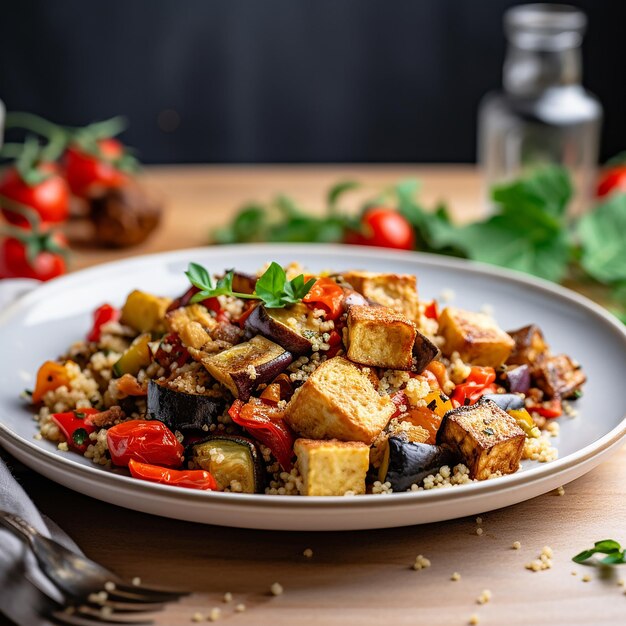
x: 361, y: 577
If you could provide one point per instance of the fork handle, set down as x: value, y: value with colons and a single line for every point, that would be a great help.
x: 18, y: 526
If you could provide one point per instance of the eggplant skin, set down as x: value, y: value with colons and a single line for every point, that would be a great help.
x: 411, y: 462
x: 183, y: 411
x: 506, y: 401
x: 261, y: 321
x: 424, y: 351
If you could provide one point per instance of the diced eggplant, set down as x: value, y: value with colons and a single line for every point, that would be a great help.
x: 506, y: 401
x: 559, y: 376
x: 406, y: 462
x: 138, y: 355
x: 183, y: 411
x: 424, y: 351
x: 530, y: 346
x: 244, y: 283
x: 233, y: 461
x: 247, y: 365
x: 284, y: 326
x: 516, y: 378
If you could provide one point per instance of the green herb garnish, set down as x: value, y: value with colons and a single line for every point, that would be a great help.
x: 488, y: 431
x: 80, y: 415
x: 273, y: 287
x: 615, y: 555
x: 79, y: 436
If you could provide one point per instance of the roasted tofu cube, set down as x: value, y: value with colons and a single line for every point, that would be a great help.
x: 530, y: 346
x: 331, y: 468
x: 559, y: 376
x: 144, y: 311
x: 475, y: 336
x: 487, y: 438
x: 380, y: 337
x: 339, y: 401
x: 244, y: 367
x: 396, y: 291
x: 192, y: 324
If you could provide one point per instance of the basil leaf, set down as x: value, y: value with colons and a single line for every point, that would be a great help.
x: 583, y: 556
x: 607, y: 546
x: 250, y: 224
x: 199, y: 277
x: 602, y: 234
x: 615, y: 558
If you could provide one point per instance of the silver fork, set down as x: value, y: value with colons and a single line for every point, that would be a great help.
x: 91, y: 589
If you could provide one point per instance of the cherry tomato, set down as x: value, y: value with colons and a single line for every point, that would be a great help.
x: 101, y: 316
x: 88, y: 174
x: 147, y: 441
x: 266, y: 424
x: 611, y: 180
x: 14, y: 262
x: 328, y: 295
x: 191, y: 479
x: 50, y: 199
x: 432, y: 310
x: 385, y: 228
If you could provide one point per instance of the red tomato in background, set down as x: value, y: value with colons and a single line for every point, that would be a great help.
x: 384, y: 228
x: 612, y: 179
x: 14, y: 261
x: 87, y: 174
x: 146, y: 441
x: 49, y: 198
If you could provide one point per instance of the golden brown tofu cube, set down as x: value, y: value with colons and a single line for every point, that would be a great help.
x: 144, y: 311
x: 487, y: 438
x: 331, y: 468
x: 396, y: 291
x: 380, y: 337
x: 339, y: 401
x: 475, y: 336
x: 559, y: 376
x: 192, y: 323
x: 530, y: 346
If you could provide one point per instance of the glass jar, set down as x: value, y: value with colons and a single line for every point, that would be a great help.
x: 543, y: 115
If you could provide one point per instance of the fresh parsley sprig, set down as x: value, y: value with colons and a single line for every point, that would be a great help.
x: 615, y: 555
x: 273, y: 287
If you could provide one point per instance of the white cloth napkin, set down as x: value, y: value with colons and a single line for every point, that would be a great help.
x: 20, y: 578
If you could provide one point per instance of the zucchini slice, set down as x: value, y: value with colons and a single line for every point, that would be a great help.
x: 137, y: 355
x: 231, y: 460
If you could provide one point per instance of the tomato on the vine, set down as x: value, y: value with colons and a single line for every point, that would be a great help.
x: 611, y: 180
x: 49, y: 198
x: 385, y: 228
x: 87, y: 173
x: 32, y: 255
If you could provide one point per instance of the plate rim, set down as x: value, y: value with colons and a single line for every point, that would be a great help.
x: 610, y: 439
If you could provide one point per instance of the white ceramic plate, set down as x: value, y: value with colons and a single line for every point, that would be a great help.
x: 43, y: 323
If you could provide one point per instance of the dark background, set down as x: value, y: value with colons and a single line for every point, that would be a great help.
x: 283, y: 80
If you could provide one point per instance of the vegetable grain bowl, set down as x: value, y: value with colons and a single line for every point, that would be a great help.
x: 288, y: 383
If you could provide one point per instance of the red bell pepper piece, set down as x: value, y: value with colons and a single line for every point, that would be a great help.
x: 75, y: 427
x: 399, y: 399
x: 191, y: 479
x: 266, y: 424
x: 480, y: 382
x: 101, y: 316
x: 432, y: 310
x: 146, y: 441
x: 328, y: 295
x: 550, y: 409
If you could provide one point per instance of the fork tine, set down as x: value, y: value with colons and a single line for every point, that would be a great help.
x: 88, y: 616
x: 144, y: 594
